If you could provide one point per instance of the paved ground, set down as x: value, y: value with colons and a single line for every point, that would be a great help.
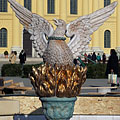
x: 88, y: 83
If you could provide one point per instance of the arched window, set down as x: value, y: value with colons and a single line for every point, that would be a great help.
x: 3, y: 37
x: 51, y: 6
x: 107, y: 39
x: 73, y: 6
x: 3, y: 5
x: 27, y: 4
x: 106, y: 2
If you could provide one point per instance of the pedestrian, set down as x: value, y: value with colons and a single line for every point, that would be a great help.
x: 94, y: 57
x: 98, y: 58
x: 112, y: 65
x: 89, y: 58
x: 12, y: 57
x: 104, y: 58
x: 85, y: 56
x: 22, y: 57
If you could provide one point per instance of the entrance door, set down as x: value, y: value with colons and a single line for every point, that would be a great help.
x: 27, y: 43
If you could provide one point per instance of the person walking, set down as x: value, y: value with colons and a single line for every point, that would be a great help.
x: 89, y: 58
x: 94, y: 57
x: 85, y: 57
x: 98, y: 58
x: 112, y: 65
x: 22, y: 57
x: 104, y: 58
x: 12, y: 57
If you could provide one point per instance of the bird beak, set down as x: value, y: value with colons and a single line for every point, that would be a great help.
x: 55, y: 21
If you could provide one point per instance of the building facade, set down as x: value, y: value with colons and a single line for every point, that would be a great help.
x: 14, y: 37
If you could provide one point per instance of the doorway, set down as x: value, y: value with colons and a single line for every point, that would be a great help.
x: 27, y: 43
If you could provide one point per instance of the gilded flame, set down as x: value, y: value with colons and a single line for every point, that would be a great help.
x: 60, y: 81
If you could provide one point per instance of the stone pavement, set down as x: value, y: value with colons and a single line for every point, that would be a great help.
x: 88, y: 83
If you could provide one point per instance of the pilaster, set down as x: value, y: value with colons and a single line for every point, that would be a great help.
x: 16, y: 44
x: 40, y: 7
x: 118, y: 26
x: 95, y: 38
x: 85, y: 7
x: 63, y: 10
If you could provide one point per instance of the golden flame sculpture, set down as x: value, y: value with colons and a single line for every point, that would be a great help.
x: 60, y: 81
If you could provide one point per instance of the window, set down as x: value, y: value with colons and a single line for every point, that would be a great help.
x: 3, y: 37
x: 106, y: 2
x: 3, y: 5
x: 27, y: 4
x: 73, y: 6
x: 51, y: 6
x: 107, y: 39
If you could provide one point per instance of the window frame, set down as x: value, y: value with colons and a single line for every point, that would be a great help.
x: 3, y: 37
x: 3, y: 6
x: 107, y: 39
x: 57, y: 8
x: 107, y: 2
x: 51, y: 9
x: 28, y: 4
x: 74, y: 11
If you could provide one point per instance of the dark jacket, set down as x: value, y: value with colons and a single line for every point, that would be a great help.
x: 94, y: 57
x: 22, y: 57
x: 112, y: 64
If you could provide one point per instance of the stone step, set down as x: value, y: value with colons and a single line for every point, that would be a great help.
x: 9, y: 107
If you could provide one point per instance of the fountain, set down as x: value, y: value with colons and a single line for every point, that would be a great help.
x: 58, y: 81
x: 58, y: 87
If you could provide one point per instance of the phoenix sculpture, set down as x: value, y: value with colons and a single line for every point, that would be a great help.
x: 58, y: 76
x: 50, y: 43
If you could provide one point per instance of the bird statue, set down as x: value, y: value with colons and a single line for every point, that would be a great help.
x: 50, y: 43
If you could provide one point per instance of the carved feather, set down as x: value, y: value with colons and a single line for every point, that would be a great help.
x: 56, y: 50
x: 37, y: 26
x: 84, y: 26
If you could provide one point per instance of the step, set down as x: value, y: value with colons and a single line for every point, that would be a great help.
x: 9, y: 107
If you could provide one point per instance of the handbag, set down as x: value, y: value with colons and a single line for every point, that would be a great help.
x: 112, y: 79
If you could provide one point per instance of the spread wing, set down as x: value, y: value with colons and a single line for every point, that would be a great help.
x: 81, y: 29
x: 37, y: 26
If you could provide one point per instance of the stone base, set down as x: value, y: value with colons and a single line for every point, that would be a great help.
x: 9, y: 107
x: 87, y: 105
x: 118, y: 49
x: 94, y: 49
x: 6, y: 118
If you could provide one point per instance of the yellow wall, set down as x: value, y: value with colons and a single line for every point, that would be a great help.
x: 62, y: 11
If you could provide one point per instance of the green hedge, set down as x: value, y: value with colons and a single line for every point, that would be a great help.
x: 94, y: 70
x: 15, y: 70
x: 11, y: 70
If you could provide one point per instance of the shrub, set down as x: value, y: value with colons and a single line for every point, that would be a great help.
x: 11, y: 70
x: 94, y: 70
x: 15, y: 69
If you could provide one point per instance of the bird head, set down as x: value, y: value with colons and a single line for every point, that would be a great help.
x: 59, y: 22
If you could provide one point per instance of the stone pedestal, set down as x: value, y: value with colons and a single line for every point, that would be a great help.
x: 9, y: 107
